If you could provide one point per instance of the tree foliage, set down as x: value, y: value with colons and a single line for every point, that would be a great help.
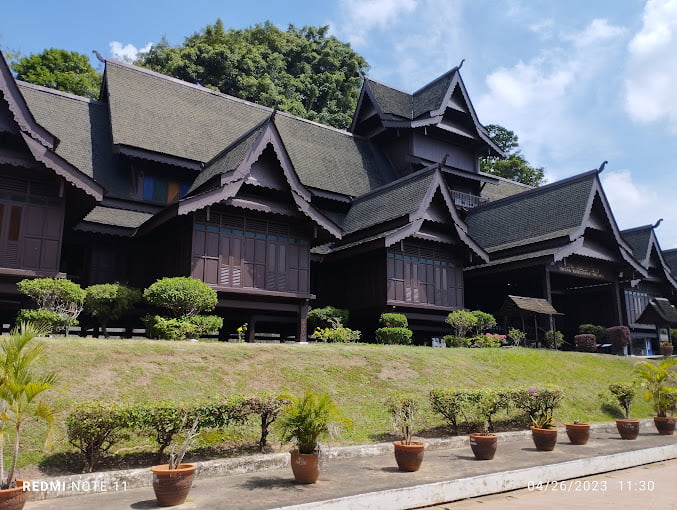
x: 68, y: 71
x: 182, y: 296
x: 304, y: 71
x: 513, y: 166
x: 108, y: 301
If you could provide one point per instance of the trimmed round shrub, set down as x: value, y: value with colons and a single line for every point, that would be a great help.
x: 456, y: 341
x: 618, y: 337
x: 483, y: 322
x: 182, y: 296
x: 327, y: 317
x: 593, y: 329
x: 462, y: 321
x: 108, y: 301
x: 485, y: 341
x: 393, y: 336
x: 586, y: 343
x: 393, y: 320
x: 205, y: 324
x: 337, y: 335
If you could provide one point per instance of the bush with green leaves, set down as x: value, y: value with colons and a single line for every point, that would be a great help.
x: 182, y: 327
x: 539, y: 404
x: 516, y: 336
x: 673, y: 336
x: 659, y: 381
x: 483, y: 321
x: 624, y: 395
x: 162, y: 421
x: 46, y: 320
x: 553, y: 339
x: 326, y: 317
x: 586, y: 342
x: 393, y: 320
x: 462, y: 321
x: 456, y: 341
x: 336, y: 335
x: 489, y: 402
x: 593, y: 329
x: 306, y: 419
x: 58, y: 295
x: 108, y: 301
x: 404, y: 410
x: 452, y: 405
x: 94, y: 427
x: 486, y: 341
x: 182, y: 296
x: 267, y: 408
x: 399, y: 336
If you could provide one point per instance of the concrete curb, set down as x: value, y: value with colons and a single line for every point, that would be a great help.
x: 86, y: 483
x: 462, y: 488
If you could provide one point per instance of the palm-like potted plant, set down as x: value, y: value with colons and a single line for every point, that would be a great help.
x: 657, y: 381
x: 404, y: 411
x: 20, y: 388
x: 304, y: 421
x: 539, y: 405
x: 625, y: 394
x: 172, y: 481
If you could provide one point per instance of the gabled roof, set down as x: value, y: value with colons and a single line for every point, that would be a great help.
x: 658, y: 311
x: 518, y: 305
x: 554, y: 215
x: 163, y: 115
x: 644, y: 245
x: 426, y: 106
x: 229, y: 170
x: 408, y: 198
x: 42, y: 144
x: 670, y: 257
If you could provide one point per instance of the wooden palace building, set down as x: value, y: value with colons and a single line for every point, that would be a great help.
x: 160, y: 177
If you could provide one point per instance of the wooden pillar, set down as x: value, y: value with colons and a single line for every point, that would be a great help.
x: 617, y: 304
x: 302, y: 329
x: 251, y: 329
x: 547, y: 290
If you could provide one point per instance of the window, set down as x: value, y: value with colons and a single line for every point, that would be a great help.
x: 162, y: 190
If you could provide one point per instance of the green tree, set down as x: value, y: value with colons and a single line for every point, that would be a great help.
x: 303, y: 71
x: 63, y: 70
x: 108, y: 301
x: 513, y: 166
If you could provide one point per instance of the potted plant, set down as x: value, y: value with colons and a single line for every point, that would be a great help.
x: 20, y: 388
x: 304, y: 421
x: 657, y: 380
x: 625, y: 393
x: 577, y: 432
x: 404, y: 411
x: 172, y: 481
x: 666, y: 349
x: 483, y: 444
x: 540, y: 405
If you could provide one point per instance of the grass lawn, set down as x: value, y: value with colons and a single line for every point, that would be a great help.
x: 359, y: 377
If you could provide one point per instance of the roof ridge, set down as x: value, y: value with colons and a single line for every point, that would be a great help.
x: 383, y: 84
x: 396, y: 182
x: 535, y: 191
x: 440, y: 77
x: 56, y: 92
x: 220, y: 94
x: 636, y: 229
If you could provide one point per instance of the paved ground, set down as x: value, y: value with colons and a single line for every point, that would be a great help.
x: 647, y: 487
x: 446, y: 475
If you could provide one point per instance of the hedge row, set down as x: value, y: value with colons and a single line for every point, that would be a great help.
x: 94, y: 427
x: 481, y: 406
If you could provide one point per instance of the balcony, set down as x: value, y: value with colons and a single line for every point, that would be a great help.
x: 466, y: 200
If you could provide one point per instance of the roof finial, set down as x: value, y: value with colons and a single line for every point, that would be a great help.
x: 98, y: 56
x: 443, y: 162
x: 601, y: 167
x: 657, y: 223
x: 461, y: 64
x: 275, y: 109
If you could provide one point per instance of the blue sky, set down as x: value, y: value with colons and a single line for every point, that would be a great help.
x: 580, y: 82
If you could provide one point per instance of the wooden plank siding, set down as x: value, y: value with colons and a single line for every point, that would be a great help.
x: 31, y: 223
x: 423, y: 275
x: 239, y: 252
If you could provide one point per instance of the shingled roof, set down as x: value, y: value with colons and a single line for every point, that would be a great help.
x: 670, y: 257
x: 164, y: 115
x: 658, y: 311
x: 643, y: 242
x: 547, y: 212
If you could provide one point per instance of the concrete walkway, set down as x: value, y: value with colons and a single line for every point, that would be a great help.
x: 449, y: 473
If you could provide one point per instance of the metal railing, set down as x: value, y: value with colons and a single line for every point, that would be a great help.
x: 466, y: 200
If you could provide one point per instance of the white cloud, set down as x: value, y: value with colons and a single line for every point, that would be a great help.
x: 128, y: 52
x: 540, y: 99
x: 634, y: 204
x: 650, y: 92
x: 363, y: 16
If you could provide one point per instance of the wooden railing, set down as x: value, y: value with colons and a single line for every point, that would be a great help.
x: 467, y: 200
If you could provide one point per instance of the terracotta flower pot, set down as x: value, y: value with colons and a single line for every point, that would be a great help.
x: 665, y: 425
x: 171, y: 486
x: 13, y: 499
x: 409, y: 456
x: 305, y: 466
x: 483, y: 445
x: 544, y: 439
x: 628, y: 429
x: 666, y: 350
x: 578, y: 433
